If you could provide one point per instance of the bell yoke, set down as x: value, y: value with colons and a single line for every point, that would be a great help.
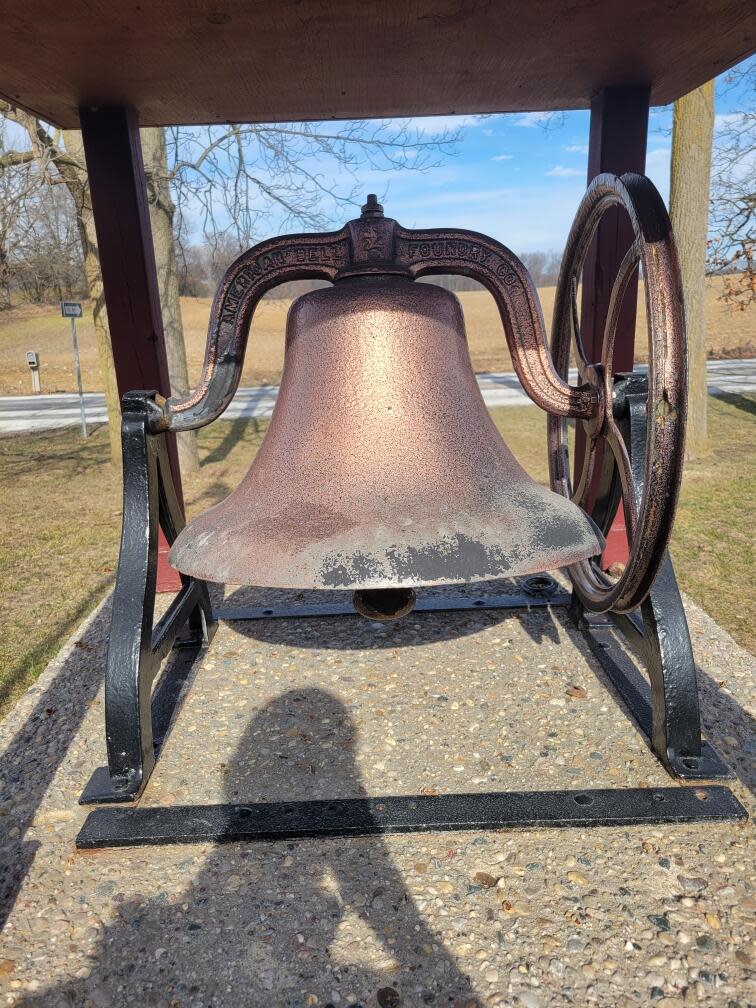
x: 382, y: 472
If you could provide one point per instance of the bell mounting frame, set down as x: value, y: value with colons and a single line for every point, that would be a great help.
x: 641, y: 419
x: 647, y: 486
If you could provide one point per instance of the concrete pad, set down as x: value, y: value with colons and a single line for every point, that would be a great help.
x: 340, y: 707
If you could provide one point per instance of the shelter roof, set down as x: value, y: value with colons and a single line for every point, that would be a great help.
x: 203, y: 61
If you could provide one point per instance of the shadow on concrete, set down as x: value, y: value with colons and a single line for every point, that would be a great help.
x: 724, y: 723
x: 730, y: 729
x: 259, y: 924
x: 38, y: 748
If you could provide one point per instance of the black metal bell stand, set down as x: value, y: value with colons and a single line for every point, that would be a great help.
x: 655, y: 632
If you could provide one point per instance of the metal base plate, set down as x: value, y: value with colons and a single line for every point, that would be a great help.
x: 100, y: 791
x: 431, y: 603
x: 128, y: 827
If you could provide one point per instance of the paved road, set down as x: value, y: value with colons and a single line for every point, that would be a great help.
x: 45, y: 412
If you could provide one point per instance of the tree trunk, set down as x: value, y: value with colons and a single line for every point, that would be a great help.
x: 690, y: 172
x: 78, y: 186
x: 162, y: 210
x: 5, y: 298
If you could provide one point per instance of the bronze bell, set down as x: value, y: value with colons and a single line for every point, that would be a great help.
x: 381, y: 468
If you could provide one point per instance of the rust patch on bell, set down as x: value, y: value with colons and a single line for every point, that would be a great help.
x: 381, y: 466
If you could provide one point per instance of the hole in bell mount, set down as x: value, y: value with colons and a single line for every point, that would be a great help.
x: 384, y: 604
x: 584, y: 799
x: 540, y: 584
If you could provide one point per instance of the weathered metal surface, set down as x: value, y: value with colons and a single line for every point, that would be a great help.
x: 650, y: 493
x: 658, y: 631
x: 374, y: 244
x: 128, y: 827
x: 381, y: 467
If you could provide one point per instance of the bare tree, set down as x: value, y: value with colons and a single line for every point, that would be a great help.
x: 58, y: 157
x: 162, y: 211
x: 235, y: 181
x: 18, y: 188
x: 543, y: 267
x: 732, y: 225
x: 44, y: 254
x: 239, y: 181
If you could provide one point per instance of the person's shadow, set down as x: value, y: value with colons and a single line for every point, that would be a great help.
x: 272, y: 924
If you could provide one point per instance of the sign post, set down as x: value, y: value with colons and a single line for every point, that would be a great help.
x: 72, y: 310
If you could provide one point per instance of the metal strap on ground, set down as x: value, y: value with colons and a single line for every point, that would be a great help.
x: 126, y: 827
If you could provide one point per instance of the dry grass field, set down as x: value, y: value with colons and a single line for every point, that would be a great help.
x: 730, y: 334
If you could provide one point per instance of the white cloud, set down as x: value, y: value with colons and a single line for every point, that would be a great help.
x: 576, y: 148
x: 487, y: 132
x: 561, y: 172
x: 433, y: 125
x: 502, y: 157
x: 532, y: 119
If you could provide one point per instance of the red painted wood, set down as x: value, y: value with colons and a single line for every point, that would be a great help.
x: 124, y: 239
x: 618, y: 135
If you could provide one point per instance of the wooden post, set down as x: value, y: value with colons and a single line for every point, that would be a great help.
x: 617, y: 144
x: 119, y: 201
x: 690, y: 175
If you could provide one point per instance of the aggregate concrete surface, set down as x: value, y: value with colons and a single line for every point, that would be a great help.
x: 470, y: 701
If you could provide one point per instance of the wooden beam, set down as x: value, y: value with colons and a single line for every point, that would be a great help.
x: 127, y: 259
x: 617, y: 144
x: 231, y: 61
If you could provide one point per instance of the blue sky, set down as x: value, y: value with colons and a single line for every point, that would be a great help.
x: 517, y: 177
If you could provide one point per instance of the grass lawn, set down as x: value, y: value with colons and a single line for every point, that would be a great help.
x: 60, y: 523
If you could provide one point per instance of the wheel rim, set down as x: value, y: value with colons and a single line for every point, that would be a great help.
x: 649, y: 507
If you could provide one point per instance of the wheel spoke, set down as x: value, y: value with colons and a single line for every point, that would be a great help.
x: 583, y: 482
x: 619, y: 289
x: 629, y: 502
x: 580, y: 354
